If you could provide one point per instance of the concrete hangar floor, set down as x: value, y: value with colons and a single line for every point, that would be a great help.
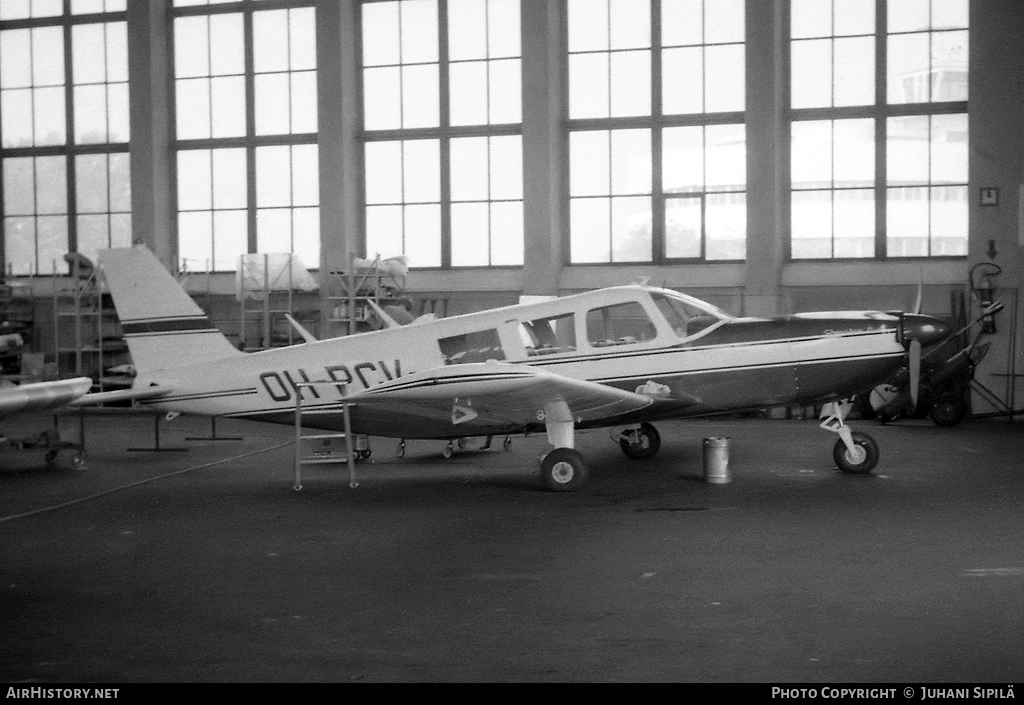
x: 463, y: 569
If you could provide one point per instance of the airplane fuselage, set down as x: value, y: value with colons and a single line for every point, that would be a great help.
x: 692, y: 360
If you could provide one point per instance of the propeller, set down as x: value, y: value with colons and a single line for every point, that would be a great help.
x: 914, y: 349
x: 914, y: 360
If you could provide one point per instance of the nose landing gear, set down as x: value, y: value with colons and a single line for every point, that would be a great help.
x: 855, y: 452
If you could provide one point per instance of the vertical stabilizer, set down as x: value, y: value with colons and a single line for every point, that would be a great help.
x: 162, y: 325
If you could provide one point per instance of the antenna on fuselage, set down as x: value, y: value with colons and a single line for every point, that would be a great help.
x: 389, y: 322
x: 920, y: 291
x: 306, y: 335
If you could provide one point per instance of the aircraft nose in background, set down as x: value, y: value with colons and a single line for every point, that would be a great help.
x: 925, y: 329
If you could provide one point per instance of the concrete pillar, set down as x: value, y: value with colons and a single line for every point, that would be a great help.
x: 545, y: 154
x: 996, y: 160
x: 767, y: 180
x: 149, y: 73
x: 340, y: 147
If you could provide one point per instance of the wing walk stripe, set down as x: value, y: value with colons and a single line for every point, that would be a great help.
x: 433, y: 382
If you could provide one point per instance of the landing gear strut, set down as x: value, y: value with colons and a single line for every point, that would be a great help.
x: 562, y: 469
x: 854, y: 452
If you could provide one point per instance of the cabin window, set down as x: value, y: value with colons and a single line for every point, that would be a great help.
x: 685, y: 319
x: 547, y: 336
x: 621, y: 324
x: 478, y: 346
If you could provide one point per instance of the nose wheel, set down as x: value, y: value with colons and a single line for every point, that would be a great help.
x: 859, y: 460
x: 855, y: 452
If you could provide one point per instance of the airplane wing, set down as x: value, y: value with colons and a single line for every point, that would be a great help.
x: 40, y: 396
x: 476, y: 397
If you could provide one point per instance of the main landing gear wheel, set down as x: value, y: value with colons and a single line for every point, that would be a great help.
x: 563, y: 470
x: 57, y: 461
x: 641, y: 443
x: 862, y: 459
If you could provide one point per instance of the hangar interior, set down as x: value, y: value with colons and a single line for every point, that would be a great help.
x: 769, y: 157
x: 450, y: 156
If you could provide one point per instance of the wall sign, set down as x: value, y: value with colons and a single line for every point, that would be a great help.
x: 989, y: 196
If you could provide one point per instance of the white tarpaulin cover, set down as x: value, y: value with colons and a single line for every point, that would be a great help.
x: 274, y: 271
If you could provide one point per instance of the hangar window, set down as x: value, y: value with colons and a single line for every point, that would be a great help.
x: 64, y: 121
x: 657, y: 142
x: 478, y: 346
x: 442, y: 107
x: 245, y: 131
x: 833, y: 181
x: 878, y: 156
x: 619, y: 324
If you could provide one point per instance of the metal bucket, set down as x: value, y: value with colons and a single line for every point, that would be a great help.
x: 716, y: 460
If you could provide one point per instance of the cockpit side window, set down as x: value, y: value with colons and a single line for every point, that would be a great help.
x: 547, y: 336
x: 621, y: 324
x: 478, y: 346
x: 685, y: 319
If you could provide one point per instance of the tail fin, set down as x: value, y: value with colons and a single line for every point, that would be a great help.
x: 162, y: 325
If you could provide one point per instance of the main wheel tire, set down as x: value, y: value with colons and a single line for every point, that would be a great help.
x: 948, y: 412
x: 563, y: 470
x: 641, y: 443
x: 863, y: 460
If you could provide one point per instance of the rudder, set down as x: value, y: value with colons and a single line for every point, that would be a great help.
x: 162, y: 325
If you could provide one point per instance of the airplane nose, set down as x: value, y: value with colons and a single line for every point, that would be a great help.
x: 925, y: 329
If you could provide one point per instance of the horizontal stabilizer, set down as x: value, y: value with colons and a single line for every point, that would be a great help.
x: 117, y: 395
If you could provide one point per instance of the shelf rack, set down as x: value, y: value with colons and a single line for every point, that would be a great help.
x: 269, y: 302
x: 350, y: 291
x: 87, y: 334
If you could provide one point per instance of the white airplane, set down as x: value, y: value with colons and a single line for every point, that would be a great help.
x: 615, y: 357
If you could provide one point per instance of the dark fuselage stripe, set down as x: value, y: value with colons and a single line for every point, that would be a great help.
x: 741, y: 368
x: 606, y: 354
x: 204, y: 395
x: 167, y: 326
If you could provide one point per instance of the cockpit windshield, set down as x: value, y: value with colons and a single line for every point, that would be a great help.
x: 686, y: 315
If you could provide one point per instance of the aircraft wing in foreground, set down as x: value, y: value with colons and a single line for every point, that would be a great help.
x: 616, y: 357
x: 41, y: 396
x: 491, y: 398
